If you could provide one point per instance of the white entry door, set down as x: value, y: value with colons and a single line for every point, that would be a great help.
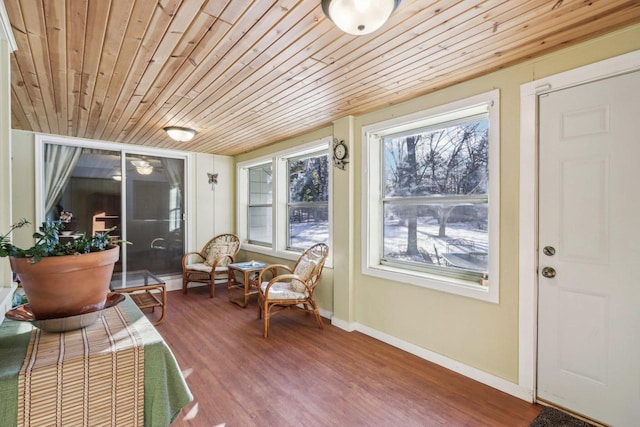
x: 589, y: 250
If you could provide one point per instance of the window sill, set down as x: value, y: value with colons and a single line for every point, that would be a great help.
x: 449, y: 285
x: 287, y: 255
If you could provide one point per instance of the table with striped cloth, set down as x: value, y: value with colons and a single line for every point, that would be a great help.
x: 115, y: 372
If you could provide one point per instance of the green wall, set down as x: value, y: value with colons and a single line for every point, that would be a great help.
x: 478, y: 334
x: 7, y: 45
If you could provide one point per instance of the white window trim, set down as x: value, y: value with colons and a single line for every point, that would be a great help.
x: 278, y: 162
x: 42, y: 139
x: 371, y: 215
x: 246, y: 186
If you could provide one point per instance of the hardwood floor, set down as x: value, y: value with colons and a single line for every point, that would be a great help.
x: 304, y: 376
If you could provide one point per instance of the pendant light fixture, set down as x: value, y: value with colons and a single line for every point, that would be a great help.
x: 180, y: 134
x: 359, y: 17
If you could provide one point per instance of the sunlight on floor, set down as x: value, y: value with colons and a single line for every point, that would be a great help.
x: 192, y: 412
x: 187, y: 372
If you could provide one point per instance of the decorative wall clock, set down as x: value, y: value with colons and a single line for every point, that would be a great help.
x: 340, y: 153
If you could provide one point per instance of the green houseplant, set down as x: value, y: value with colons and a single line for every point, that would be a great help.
x: 62, y: 279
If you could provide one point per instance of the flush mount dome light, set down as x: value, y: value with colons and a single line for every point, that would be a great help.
x: 359, y: 17
x: 139, y: 163
x: 143, y: 167
x: 180, y: 134
x: 145, y: 170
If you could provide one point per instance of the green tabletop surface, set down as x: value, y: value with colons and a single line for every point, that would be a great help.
x: 165, y: 390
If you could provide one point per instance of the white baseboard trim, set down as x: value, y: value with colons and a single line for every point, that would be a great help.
x: 175, y: 283
x: 343, y: 324
x: 446, y: 362
x: 325, y: 313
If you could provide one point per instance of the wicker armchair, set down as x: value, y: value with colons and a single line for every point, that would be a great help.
x: 210, y: 264
x: 294, y: 288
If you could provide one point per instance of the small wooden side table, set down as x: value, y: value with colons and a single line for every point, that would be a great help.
x: 249, y: 285
x: 146, y: 289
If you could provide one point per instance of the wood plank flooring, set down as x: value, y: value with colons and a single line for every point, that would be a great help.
x: 302, y: 376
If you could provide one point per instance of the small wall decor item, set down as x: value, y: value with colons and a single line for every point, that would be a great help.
x: 340, y: 153
x: 213, y: 179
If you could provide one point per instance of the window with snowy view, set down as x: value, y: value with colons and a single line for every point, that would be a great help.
x: 286, y: 207
x: 436, y: 194
x: 308, y: 201
x: 431, y: 204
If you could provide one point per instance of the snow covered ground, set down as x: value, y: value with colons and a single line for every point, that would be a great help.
x: 306, y: 234
x: 463, y: 237
x: 460, y: 237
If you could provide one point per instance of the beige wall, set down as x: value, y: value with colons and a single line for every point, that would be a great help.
x: 215, y: 204
x: 23, y: 186
x: 478, y: 334
x: 7, y: 45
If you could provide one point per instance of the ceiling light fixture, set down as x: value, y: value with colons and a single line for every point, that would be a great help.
x: 139, y: 163
x: 180, y: 134
x: 145, y: 170
x: 143, y: 167
x: 359, y: 17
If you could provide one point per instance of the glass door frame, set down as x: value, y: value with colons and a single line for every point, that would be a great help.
x: 124, y: 150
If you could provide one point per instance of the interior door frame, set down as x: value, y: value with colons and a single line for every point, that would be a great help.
x: 528, y: 200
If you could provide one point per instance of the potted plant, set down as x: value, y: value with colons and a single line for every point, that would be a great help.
x: 62, y: 279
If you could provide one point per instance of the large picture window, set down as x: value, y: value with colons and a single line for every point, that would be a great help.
x: 285, y: 207
x: 433, y: 204
x: 436, y: 196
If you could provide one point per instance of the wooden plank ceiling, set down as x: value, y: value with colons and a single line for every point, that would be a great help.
x: 248, y: 73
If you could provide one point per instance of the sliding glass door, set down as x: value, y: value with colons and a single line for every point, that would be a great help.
x: 139, y: 197
x: 154, y: 213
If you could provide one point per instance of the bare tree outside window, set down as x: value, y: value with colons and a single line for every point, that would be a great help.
x: 436, y: 195
x: 308, y: 201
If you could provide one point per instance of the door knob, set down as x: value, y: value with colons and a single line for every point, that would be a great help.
x: 549, y: 272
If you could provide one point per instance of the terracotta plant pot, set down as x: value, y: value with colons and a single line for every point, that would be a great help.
x: 62, y: 286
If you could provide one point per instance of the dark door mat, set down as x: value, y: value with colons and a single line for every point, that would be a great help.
x: 552, y: 417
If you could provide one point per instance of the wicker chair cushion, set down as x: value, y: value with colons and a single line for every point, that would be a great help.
x: 233, y: 248
x: 200, y: 266
x: 216, y: 251
x: 303, y: 269
x: 282, y: 290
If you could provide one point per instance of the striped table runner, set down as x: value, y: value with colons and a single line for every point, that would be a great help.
x: 88, y: 377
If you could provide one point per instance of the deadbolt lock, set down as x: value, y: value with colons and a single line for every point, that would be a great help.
x: 549, y: 250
